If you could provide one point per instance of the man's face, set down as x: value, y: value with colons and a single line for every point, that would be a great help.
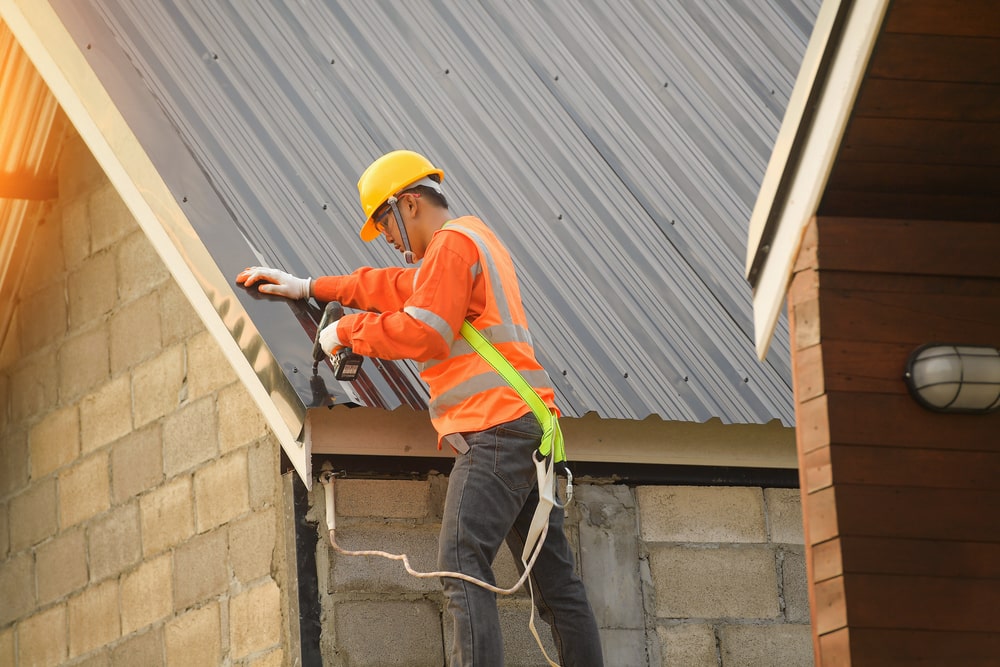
x: 387, y: 224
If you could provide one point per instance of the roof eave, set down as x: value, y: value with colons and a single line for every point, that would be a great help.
x: 90, y: 108
x: 818, y: 111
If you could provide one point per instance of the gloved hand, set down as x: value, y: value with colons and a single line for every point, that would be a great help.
x: 328, y: 339
x: 274, y: 281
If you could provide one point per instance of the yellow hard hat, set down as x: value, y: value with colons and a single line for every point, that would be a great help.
x: 389, y: 175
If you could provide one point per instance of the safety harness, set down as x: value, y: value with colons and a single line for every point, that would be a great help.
x: 550, y: 454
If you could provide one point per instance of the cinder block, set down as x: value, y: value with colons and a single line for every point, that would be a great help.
x: 622, y: 647
x: 784, y: 515
x: 156, y: 386
x: 371, y: 573
x: 34, y: 388
x: 393, y: 499
x: 255, y: 619
x: 140, y: 269
x: 766, y: 645
x: 45, y: 263
x: 726, y: 582
x: 687, y: 645
x: 13, y: 463
x: 135, y: 333
x: 178, y: 320
x: 190, y: 437
x: 78, y: 170
x: 251, y: 545
x: 795, y: 586
x: 10, y: 354
x: 506, y: 573
x: 42, y: 319
x: 94, y: 618
x: 83, y: 362
x: 208, y: 368
x: 110, y: 219
x: 7, y: 654
x: 4, y: 531
x: 114, y: 542
x: 262, y: 460
x: 33, y: 515
x: 167, y: 516
x: 106, y: 414
x: 61, y: 566
x: 145, y: 649
x: 519, y: 646
x: 17, y: 587
x: 84, y: 490
x: 4, y: 391
x: 41, y: 640
x: 221, y: 491
x: 240, y: 420
x: 54, y: 441
x: 92, y: 289
x: 201, y: 569
x: 146, y: 594
x: 195, y: 638
x: 363, y: 629
x: 136, y: 463
x: 75, y: 231
x: 701, y: 514
x: 275, y: 658
x: 609, y: 555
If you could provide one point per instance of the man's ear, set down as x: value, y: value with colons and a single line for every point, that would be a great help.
x: 414, y: 204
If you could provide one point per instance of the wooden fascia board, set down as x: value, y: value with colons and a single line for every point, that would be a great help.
x: 407, y: 432
x: 97, y: 119
x: 819, y: 108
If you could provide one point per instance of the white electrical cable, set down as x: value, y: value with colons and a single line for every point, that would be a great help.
x: 536, y: 536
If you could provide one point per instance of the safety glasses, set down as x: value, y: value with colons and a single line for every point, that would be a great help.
x: 383, y: 211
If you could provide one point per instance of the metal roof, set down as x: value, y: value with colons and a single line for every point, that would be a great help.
x: 617, y: 148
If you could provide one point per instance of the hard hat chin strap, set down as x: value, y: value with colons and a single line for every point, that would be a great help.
x: 408, y: 255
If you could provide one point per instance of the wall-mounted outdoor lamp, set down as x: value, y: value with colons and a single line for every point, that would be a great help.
x: 955, y: 378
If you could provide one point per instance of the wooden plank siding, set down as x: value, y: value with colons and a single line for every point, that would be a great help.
x: 923, y: 140
x: 901, y: 505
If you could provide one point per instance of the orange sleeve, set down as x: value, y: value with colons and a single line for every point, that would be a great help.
x: 376, y: 290
x: 425, y: 324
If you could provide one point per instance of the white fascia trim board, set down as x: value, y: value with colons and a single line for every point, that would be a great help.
x: 407, y: 432
x: 819, y: 146
x: 92, y: 111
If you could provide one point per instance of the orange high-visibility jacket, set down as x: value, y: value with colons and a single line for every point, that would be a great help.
x: 466, y: 273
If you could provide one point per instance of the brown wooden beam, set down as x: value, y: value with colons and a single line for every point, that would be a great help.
x: 27, y: 186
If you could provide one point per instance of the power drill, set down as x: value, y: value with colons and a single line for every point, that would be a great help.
x: 346, y: 364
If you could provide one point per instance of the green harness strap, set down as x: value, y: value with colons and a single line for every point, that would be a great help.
x: 552, y: 438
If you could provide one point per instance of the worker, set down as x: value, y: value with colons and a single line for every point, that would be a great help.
x: 465, y: 273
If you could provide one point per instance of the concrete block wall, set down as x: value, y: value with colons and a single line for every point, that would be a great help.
x: 679, y: 576
x: 141, y: 515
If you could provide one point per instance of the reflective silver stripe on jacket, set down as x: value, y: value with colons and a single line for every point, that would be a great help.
x: 500, y: 333
x: 433, y: 320
x: 498, y: 287
x: 479, y: 383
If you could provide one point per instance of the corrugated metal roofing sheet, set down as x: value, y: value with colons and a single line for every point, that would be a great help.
x: 617, y: 148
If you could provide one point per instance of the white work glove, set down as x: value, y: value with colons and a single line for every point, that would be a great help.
x: 328, y: 339
x: 273, y: 281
